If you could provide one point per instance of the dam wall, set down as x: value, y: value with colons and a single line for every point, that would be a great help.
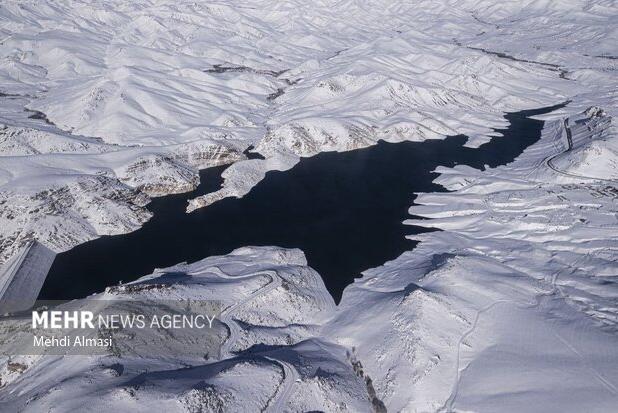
x: 22, y: 277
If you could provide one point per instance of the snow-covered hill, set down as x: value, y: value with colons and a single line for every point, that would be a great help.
x: 511, y: 307
x: 145, y: 92
x: 270, y: 297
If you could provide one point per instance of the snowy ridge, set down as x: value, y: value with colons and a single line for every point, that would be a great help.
x: 152, y: 90
x: 511, y: 307
x: 513, y: 303
x: 50, y: 179
x: 591, y: 152
x: 276, y: 362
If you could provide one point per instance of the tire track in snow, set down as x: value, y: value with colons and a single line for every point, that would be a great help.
x: 609, y: 386
x: 448, y: 405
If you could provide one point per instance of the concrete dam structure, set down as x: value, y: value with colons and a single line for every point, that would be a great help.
x: 22, y: 277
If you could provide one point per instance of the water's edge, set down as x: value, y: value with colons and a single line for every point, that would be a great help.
x: 343, y: 209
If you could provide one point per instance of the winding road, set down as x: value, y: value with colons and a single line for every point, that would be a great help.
x: 226, y: 315
x: 569, y: 137
x: 289, y: 373
x: 290, y: 376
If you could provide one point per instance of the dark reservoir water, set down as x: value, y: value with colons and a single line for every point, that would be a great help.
x: 344, y: 210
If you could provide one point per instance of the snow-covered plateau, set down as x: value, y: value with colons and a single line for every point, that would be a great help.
x: 511, y: 306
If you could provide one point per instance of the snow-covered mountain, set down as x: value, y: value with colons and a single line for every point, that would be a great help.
x: 511, y: 307
x: 512, y: 303
x: 146, y: 92
x: 271, y: 297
